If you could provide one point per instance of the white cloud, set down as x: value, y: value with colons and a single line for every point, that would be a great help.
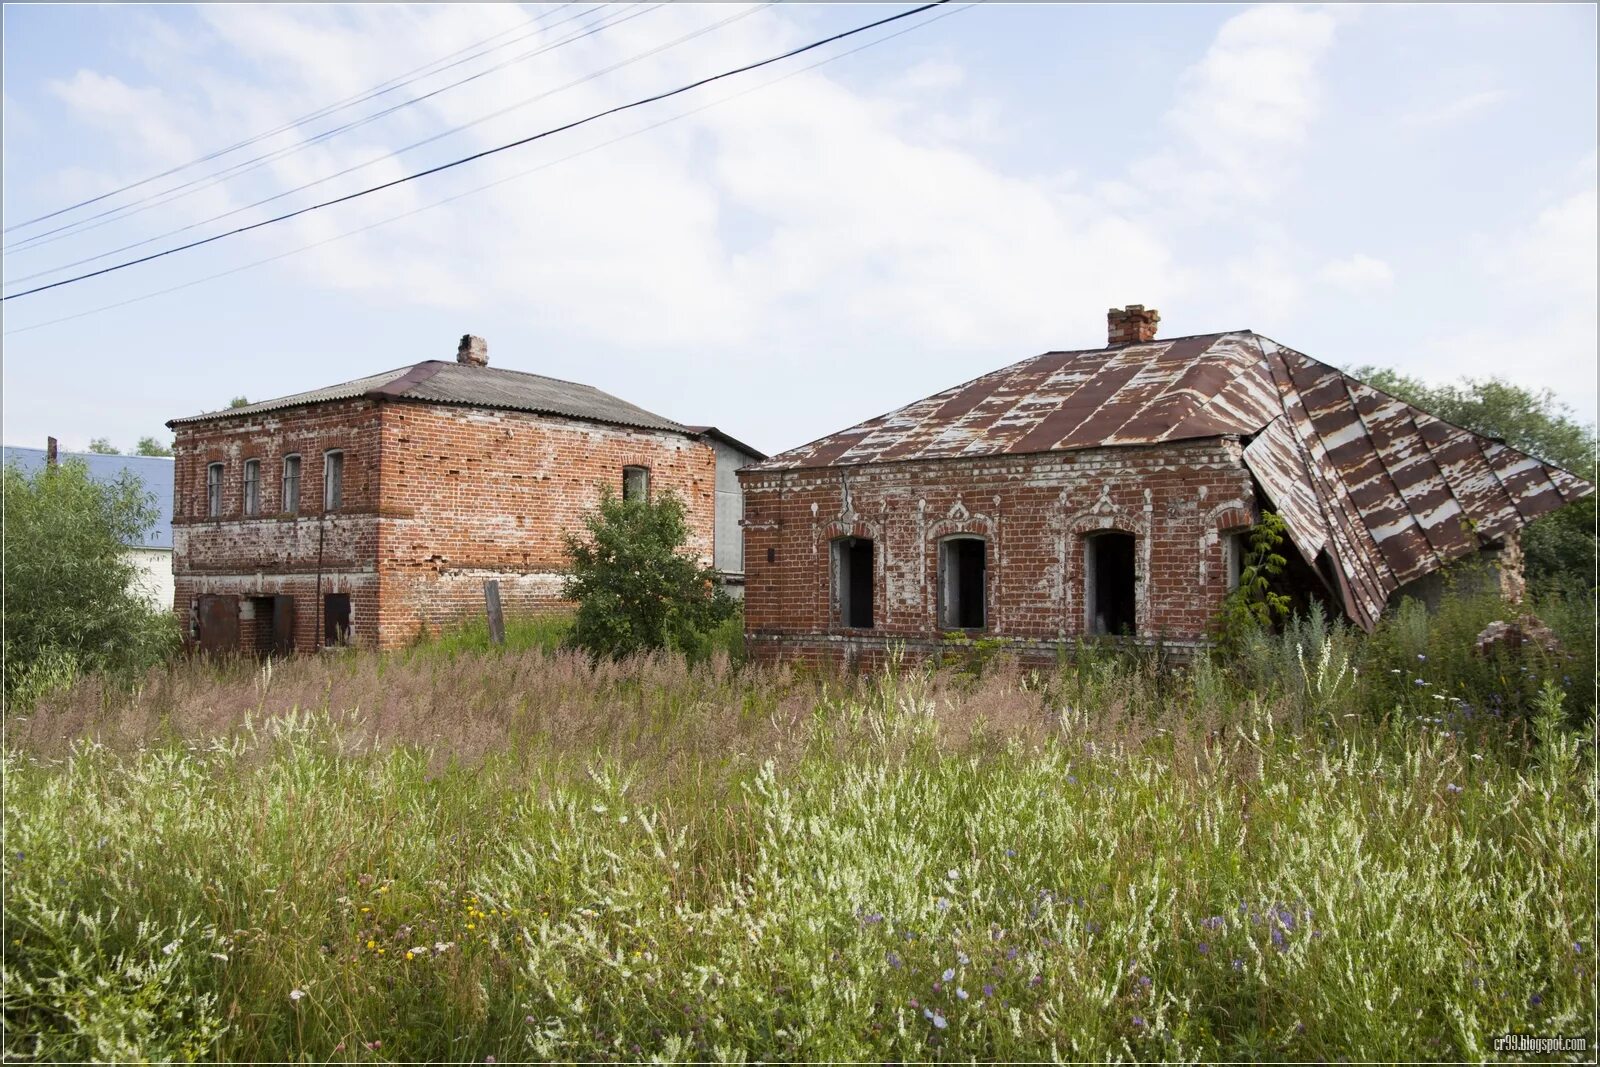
x: 1250, y: 99
x: 1357, y: 273
x: 1453, y: 111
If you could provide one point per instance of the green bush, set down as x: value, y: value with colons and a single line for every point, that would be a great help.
x: 636, y: 588
x: 71, y: 605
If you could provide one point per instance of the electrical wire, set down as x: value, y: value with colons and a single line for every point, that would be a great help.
x: 483, y: 154
x: 479, y: 189
x: 234, y: 170
x: 399, y: 81
x: 400, y: 151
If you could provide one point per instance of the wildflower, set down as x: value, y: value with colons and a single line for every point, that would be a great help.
x: 410, y: 955
x: 952, y: 874
x: 988, y: 990
x: 528, y: 1020
x: 1011, y: 953
x: 374, y: 1045
x: 950, y: 972
x: 961, y: 958
x: 471, y: 926
x: 1144, y: 980
x: 1138, y: 1020
x: 371, y: 943
x: 1011, y: 853
x: 1452, y: 787
x: 961, y: 994
x: 894, y: 961
x: 1577, y: 946
x: 1418, y: 681
x: 1421, y: 658
x: 1535, y: 1000
x: 1205, y: 949
x: 942, y: 904
x: 939, y: 1021
x: 1035, y: 980
x: 1214, y: 922
x: 296, y: 994
x: 1238, y: 965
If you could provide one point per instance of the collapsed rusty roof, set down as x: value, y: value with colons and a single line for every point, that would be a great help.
x: 1389, y: 492
x: 439, y: 382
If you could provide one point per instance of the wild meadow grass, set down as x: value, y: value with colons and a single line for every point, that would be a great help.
x: 519, y: 855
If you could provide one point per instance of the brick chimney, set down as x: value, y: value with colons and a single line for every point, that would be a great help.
x: 473, y: 351
x: 1131, y: 325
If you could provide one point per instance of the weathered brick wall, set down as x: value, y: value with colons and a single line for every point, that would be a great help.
x: 471, y: 494
x: 436, y: 499
x: 1035, y: 511
x: 276, y: 552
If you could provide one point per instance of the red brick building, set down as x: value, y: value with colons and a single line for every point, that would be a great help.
x: 371, y: 511
x: 1106, y: 491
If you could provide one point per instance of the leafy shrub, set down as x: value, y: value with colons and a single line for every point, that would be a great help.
x: 1255, y: 605
x: 71, y: 600
x: 636, y: 588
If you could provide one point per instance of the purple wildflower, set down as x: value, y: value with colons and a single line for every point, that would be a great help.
x: 1205, y: 949
x: 1138, y: 1020
x: 988, y: 990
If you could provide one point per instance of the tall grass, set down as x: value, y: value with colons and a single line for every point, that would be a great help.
x: 520, y: 854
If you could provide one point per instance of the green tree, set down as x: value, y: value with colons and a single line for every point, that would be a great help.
x: 1255, y: 605
x: 1560, y: 547
x: 100, y: 446
x: 635, y: 587
x: 71, y: 605
x: 151, y: 446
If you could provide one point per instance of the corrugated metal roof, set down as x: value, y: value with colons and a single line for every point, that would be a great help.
x: 154, y: 471
x: 1388, y: 491
x: 439, y: 382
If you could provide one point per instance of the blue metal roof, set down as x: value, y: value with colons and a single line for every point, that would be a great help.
x: 154, y: 471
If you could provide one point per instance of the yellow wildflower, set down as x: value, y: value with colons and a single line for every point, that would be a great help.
x: 410, y: 956
x: 372, y: 944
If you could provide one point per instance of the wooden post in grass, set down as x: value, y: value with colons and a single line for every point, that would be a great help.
x: 497, y: 621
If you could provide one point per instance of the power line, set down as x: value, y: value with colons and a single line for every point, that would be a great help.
x: 485, y: 153
x: 399, y: 81
x: 400, y: 151
x: 482, y: 188
x: 234, y: 170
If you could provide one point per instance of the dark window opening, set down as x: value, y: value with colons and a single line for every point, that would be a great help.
x: 852, y: 564
x: 336, y: 619
x: 214, y: 490
x: 636, y: 483
x: 1235, y: 547
x: 962, y: 569
x: 1110, y: 593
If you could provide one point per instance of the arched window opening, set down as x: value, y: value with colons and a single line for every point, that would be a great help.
x: 1109, y: 577
x: 963, y: 574
x: 852, y: 582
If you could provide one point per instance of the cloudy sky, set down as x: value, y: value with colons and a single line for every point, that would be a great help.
x: 788, y: 252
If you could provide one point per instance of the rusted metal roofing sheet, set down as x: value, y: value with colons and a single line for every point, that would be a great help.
x: 439, y: 382
x: 1375, y: 493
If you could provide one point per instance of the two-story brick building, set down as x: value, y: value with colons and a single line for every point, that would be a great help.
x: 373, y: 510
x: 1107, y: 492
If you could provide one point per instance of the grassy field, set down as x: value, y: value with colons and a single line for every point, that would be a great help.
x: 1376, y: 848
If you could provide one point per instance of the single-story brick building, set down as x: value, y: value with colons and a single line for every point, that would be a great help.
x: 1107, y: 492
x: 374, y: 510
